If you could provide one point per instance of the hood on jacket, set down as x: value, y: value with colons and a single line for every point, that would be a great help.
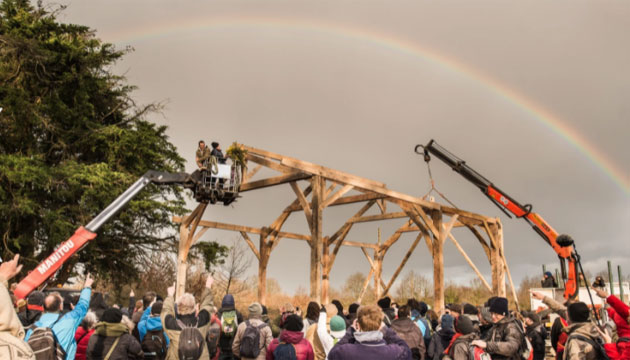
x: 375, y: 336
x: 154, y: 323
x: 587, y: 329
x: 403, y: 325
x: 291, y: 337
x: 111, y: 329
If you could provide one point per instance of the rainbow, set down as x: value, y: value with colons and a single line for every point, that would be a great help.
x: 393, y: 43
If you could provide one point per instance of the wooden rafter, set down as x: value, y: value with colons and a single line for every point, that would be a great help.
x: 278, y: 180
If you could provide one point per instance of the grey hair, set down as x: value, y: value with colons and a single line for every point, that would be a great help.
x: 89, y: 320
x: 186, y: 304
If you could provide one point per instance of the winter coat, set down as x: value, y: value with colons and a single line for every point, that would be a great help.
x: 265, y: 339
x: 66, y: 327
x: 537, y: 335
x: 12, y: 344
x: 104, y: 337
x: 407, y: 330
x: 391, y: 316
x: 219, y: 155
x: 439, y: 342
x: 549, y: 283
x: 424, y: 326
x: 82, y: 337
x: 370, y: 345
x: 505, y: 340
x: 576, y: 349
x: 150, y: 322
x: 30, y: 315
x: 459, y: 349
x: 172, y: 329
x: 312, y: 336
x: 619, y: 313
x: 303, y: 348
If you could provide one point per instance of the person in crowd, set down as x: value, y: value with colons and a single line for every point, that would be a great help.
x: 584, y: 340
x: 548, y: 280
x: 471, y: 312
x: 243, y: 349
x: 620, y: 315
x: 152, y: 336
x: 230, y: 320
x: 83, y: 334
x: 291, y: 342
x: 218, y: 153
x: 352, y: 312
x: 441, y: 338
x: 536, y: 333
x: 386, y: 305
x: 340, y: 311
x: 186, y: 316
x: 485, y: 322
x: 370, y: 339
x: 313, y: 332
x: 285, y: 311
x: 558, y: 335
x: 202, y: 154
x: 599, y: 282
x: 64, y: 326
x: 34, y: 308
x: 505, y: 337
x: 434, y: 319
x: 312, y: 315
x: 11, y: 330
x: 112, y: 339
x: 460, y: 346
x: 98, y: 304
x: 418, y: 315
x: 407, y: 330
x: 328, y: 339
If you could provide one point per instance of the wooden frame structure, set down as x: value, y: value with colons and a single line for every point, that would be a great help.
x: 326, y: 188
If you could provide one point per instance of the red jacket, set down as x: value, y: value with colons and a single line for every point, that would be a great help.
x: 619, y: 313
x: 83, y: 343
x: 303, y: 348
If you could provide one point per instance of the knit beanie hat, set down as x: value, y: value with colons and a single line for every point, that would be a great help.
x: 463, y: 325
x: 352, y: 309
x: 36, y: 298
x: 337, y: 303
x: 470, y: 309
x: 112, y: 315
x: 447, y: 322
x: 255, y: 309
x: 548, y: 273
x: 499, y: 306
x: 293, y: 323
x: 455, y: 307
x: 337, y: 327
x: 385, y: 302
x: 578, y: 312
x: 228, y: 302
x: 156, y: 309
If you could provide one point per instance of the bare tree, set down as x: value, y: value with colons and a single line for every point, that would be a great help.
x: 231, y: 272
x: 413, y: 285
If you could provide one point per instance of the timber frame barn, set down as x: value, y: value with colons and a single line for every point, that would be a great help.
x: 326, y: 187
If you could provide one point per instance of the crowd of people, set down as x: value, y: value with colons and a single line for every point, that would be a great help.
x: 48, y: 326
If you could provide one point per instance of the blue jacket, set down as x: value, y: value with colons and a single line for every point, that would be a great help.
x: 65, y: 328
x: 150, y: 323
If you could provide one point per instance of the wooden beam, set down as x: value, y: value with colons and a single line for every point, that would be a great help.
x: 341, y: 192
x: 402, y: 264
x: 278, y: 180
x: 438, y: 264
x: 366, y: 283
x: 304, y: 203
x: 270, y: 164
x: 199, y: 234
x: 251, y: 244
x: 252, y: 173
x: 360, y: 244
x: 396, y: 215
x: 367, y: 256
x: 248, y: 229
x: 429, y: 223
x: 338, y: 237
x: 382, y: 205
x: 481, y: 239
x: 469, y: 261
x: 317, y: 184
x: 394, y: 237
x: 347, y: 200
x: 277, y: 224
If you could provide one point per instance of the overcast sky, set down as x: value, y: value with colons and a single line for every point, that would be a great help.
x: 355, y: 85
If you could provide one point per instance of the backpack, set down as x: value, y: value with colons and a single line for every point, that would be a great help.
x: 190, y: 342
x: 477, y: 353
x: 285, y: 351
x: 250, y: 342
x: 597, y: 345
x: 212, y: 339
x: 44, y: 343
x: 229, y: 324
x: 526, y: 350
x: 154, y: 345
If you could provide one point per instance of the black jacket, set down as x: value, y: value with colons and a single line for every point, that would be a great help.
x: 537, y: 334
x: 103, y: 339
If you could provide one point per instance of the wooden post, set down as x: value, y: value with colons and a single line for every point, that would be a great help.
x: 438, y: 262
x: 326, y: 265
x: 186, y: 240
x: 317, y: 183
x: 264, y: 251
x: 378, y: 262
x: 496, y: 261
x: 610, y: 279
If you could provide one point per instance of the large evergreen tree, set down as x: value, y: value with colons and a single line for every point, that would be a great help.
x: 71, y: 140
